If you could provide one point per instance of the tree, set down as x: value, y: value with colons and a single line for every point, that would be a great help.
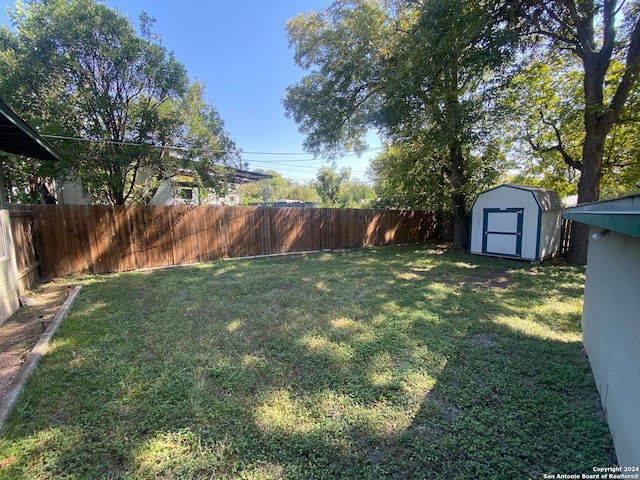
x: 78, y: 70
x: 605, y: 37
x: 439, y: 96
x: 355, y: 193
x: 404, y: 179
x: 303, y: 193
x: 412, y: 73
x: 544, y: 128
x: 27, y: 180
x: 329, y: 184
x: 204, y: 149
x: 266, y: 190
x: 343, y: 47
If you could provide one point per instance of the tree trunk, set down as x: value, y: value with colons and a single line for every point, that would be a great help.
x: 459, y: 199
x: 116, y: 189
x: 598, y: 123
x: 460, y: 222
x: 598, y: 117
x: 588, y: 190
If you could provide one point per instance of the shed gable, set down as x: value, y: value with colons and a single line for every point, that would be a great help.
x: 547, y: 200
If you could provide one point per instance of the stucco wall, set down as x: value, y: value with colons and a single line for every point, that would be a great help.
x: 164, y: 194
x: 611, y: 335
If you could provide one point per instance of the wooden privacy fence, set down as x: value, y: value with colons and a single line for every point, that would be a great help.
x: 26, y: 257
x: 99, y: 239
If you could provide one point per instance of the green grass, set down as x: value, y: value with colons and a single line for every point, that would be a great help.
x: 395, y: 362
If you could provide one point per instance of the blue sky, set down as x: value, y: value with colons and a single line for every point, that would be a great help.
x: 239, y: 50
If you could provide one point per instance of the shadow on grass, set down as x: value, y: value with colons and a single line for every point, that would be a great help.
x: 378, y: 363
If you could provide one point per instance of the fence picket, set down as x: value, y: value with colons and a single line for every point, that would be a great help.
x: 60, y: 240
x: 72, y: 239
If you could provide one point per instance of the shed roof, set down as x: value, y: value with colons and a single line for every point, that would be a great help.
x: 548, y: 200
x: 619, y: 214
x: 17, y: 137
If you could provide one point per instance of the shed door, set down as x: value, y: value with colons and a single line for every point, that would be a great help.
x: 502, y: 231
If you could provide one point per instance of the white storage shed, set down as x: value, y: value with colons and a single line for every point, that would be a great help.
x: 516, y: 222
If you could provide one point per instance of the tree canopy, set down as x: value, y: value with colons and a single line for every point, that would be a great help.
x: 459, y: 89
x: 118, y: 104
x: 545, y: 131
x: 604, y: 37
x: 330, y: 189
x: 416, y: 72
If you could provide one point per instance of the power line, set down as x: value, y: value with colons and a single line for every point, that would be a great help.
x: 289, y: 165
x: 352, y: 154
x: 135, y: 144
x: 189, y: 149
x: 316, y: 160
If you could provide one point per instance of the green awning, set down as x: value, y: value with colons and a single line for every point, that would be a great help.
x: 618, y: 215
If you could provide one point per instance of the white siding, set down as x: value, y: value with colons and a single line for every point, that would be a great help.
x: 550, y: 230
x: 169, y: 194
x: 71, y: 193
x: 9, y: 301
x: 611, y: 335
x: 164, y: 194
x: 541, y: 221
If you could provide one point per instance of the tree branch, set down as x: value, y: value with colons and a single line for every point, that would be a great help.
x: 584, y: 27
x: 559, y: 147
x: 632, y: 68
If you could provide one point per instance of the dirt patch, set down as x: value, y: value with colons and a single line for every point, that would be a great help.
x: 474, y: 280
x: 20, y: 333
x: 482, y: 339
x: 491, y: 282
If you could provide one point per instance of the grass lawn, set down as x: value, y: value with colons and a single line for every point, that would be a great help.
x: 393, y: 362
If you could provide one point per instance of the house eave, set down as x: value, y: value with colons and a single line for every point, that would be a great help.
x: 620, y: 215
x: 18, y: 138
x: 626, y: 223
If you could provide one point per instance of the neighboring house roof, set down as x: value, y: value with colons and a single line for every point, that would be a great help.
x: 17, y: 137
x: 239, y: 176
x: 619, y: 214
x: 244, y: 176
x: 570, y: 201
x: 286, y: 202
x: 548, y: 200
